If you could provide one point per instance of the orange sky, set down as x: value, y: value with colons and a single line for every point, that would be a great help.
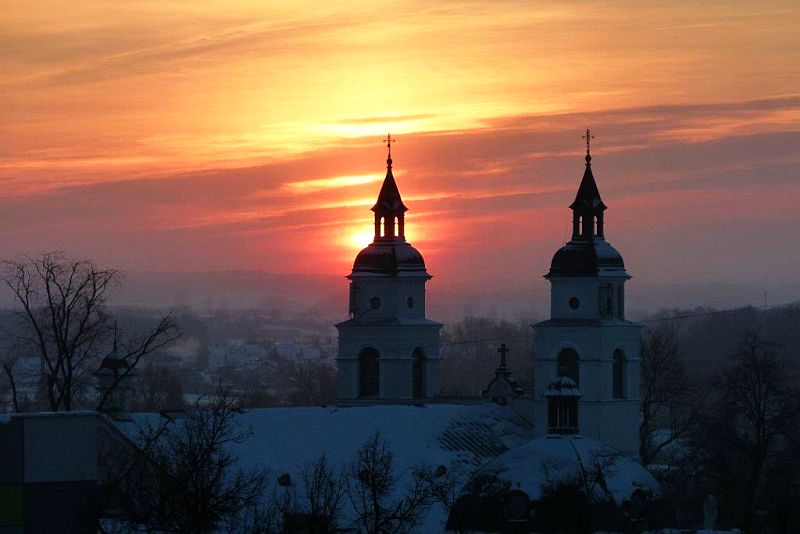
x: 157, y: 135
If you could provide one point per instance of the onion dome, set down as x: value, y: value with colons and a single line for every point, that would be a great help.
x: 113, y: 364
x: 502, y: 388
x: 593, y: 258
x: 587, y: 253
x: 389, y: 258
x: 389, y: 253
x: 563, y: 386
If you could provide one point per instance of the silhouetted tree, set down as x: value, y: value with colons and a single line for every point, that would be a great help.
x: 323, y: 491
x: 469, y: 354
x: 670, y: 398
x: 8, y: 369
x: 443, y: 484
x: 63, y: 318
x: 157, y: 389
x: 749, y: 427
x: 371, y: 483
x: 314, y: 383
x: 193, y: 482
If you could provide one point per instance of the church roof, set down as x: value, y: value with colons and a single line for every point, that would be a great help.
x: 563, y: 386
x: 588, y: 196
x: 547, y: 460
x: 459, y: 437
x: 389, y: 196
x: 389, y: 321
x: 593, y: 257
x: 113, y: 363
x: 389, y: 257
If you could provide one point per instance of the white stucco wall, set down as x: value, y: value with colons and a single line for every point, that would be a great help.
x: 394, y: 329
x: 595, y: 337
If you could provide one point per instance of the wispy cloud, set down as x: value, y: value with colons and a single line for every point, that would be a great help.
x: 172, y: 135
x: 321, y: 184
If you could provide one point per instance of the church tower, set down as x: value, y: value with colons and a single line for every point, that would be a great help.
x: 388, y: 349
x: 587, y: 337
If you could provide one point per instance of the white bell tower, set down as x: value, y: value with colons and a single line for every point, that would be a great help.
x: 587, y: 337
x: 388, y: 349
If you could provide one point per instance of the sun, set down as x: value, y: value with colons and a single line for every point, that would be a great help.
x: 359, y: 238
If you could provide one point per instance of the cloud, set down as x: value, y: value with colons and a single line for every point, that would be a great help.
x: 476, y: 197
x: 321, y: 184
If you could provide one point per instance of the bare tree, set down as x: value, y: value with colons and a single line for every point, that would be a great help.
x: 466, y: 344
x: 315, y: 383
x: 583, y: 502
x: 323, y: 491
x: 371, y: 483
x: 442, y: 484
x: 8, y: 369
x: 194, y: 483
x: 124, y: 473
x: 670, y: 404
x: 64, y: 319
x: 749, y: 427
x: 158, y: 389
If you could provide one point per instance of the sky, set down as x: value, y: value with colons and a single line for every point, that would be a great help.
x: 246, y: 135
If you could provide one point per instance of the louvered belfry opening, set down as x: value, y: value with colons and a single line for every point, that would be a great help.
x: 369, y: 373
x: 568, y: 365
x: 562, y: 415
x: 618, y: 388
x: 418, y: 373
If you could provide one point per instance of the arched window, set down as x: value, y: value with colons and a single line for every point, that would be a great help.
x: 569, y: 365
x: 369, y: 373
x: 418, y: 373
x: 618, y: 378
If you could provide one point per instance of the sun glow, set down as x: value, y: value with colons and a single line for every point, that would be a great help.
x: 358, y: 238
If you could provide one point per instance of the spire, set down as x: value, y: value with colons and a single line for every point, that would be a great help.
x: 389, y: 208
x: 588, y: 197
x: 588, y: 206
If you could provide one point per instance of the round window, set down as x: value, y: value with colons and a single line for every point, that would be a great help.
x: 410, y: 302
x: 375, y: 303
x: 574, y: 303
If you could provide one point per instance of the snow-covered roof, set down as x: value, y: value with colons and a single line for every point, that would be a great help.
x: 563, y: 386
x: 556, y: 459
x: 284, y: 440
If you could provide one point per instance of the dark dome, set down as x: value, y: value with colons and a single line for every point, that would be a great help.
x: 587, y: 258
x: 389, y: 257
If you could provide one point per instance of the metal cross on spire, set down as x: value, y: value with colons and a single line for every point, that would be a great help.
x: 388, y: 142
x: 588, y: 137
